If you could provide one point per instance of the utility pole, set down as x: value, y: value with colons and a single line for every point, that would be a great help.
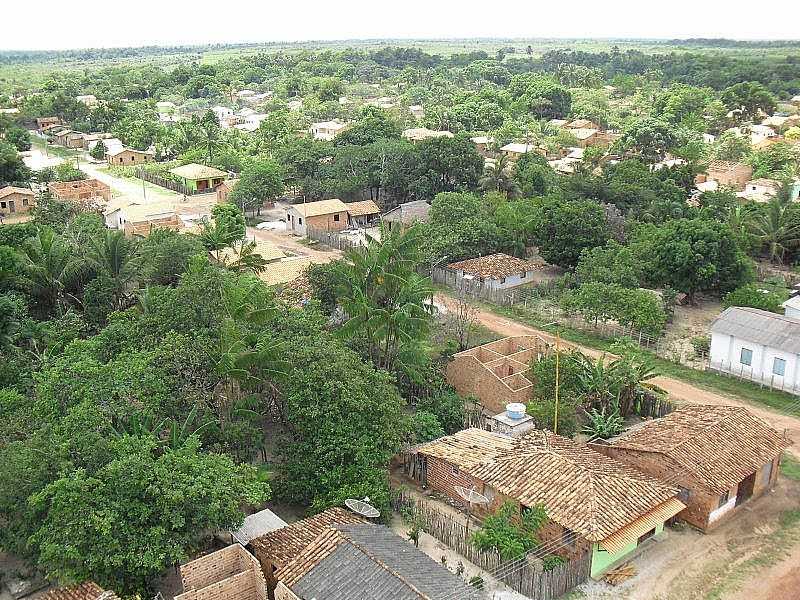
x: 558, y: 357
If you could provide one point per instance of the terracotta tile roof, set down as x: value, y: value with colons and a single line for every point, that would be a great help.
x: 581, y: 489
x: 468, y: 449
x: 319, y: 549
x: 359, y: 209
x: 88, y: 590
x: 287, y: 542
x: 266, y: 250
x: 321, y: 207
x: 724, y: 165
x: 284, y: 271
x: 195, y: 171
x: 494, y: 266
x: 10, y: 189
x: 721, y: 445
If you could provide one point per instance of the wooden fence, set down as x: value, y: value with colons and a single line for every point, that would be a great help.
x: 527, y: 576
x: 651, y: 406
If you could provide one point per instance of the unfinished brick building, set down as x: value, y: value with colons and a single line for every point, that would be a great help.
x: 80, y: 191
x: 497, y: 373
x: 720, y: 457
x: 228, y: 574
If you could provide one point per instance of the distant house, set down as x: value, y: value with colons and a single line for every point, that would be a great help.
x: 68, y: 138
x: 417, y: 111
x: 582, y: 124
x: 222, y: 112
x: 417, y: 134
x: 730, y: 174
x: 225, y: 188
x: 294, y: 105
x: 328, y: 215
x: 141, y: 219
x: 791, y: 308
x: 279, y: 548
x: 759, y: 133
x: 111, y: 144
x: 90, y: 100
x: 365, y: 561
x: 81, y: 190
x: 165, y: 106
x: 406, y: 214
x: 515, y: 151
x: 326, y: 130
x: 795, y: 100
x: 228, y: 574
x: 198, y: 177
x: 43, y: 122
x: 757, y: 345
x: 586, y: 136
x: 720, y: 457
x: 594, y: 504
x: 129, y: 156
x: 495, y: 271
x: 362, y: 213
x: 16, y: 200
x: 482, y: 143
x: 761, y: 190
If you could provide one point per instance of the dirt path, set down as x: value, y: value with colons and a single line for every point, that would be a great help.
x: 781, y: 582
x: 679, y: 391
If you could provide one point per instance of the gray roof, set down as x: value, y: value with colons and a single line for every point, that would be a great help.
x: 377, y: 564
x: 409, y: 213
x: 256, y: 525
x: 760, y: 327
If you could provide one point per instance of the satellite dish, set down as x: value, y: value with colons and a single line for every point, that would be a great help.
x: 471, y: 496
x: 363, y: 508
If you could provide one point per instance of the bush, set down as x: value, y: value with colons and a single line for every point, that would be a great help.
x: 509, y: 536
x: 425, y: 427
x: 701, y: 345
x: 543, y: 413
x: 604, y: 424
x: 552, y: 561
x: 753, y: 296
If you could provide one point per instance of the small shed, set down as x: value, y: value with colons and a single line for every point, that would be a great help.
x: 362, y: 213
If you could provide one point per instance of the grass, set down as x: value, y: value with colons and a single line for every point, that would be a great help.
x: 53, y: 150
x: 790, y: 467
x: 709, y: 380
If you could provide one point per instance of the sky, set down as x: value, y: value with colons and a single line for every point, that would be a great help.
x: 93, y: 23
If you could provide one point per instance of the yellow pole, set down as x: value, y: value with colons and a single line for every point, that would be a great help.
x: 558, y: 353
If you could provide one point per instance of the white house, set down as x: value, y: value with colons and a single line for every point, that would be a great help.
x: 757, y: 345
x: 760, y: 190
x: 222, y: 112
x: 495, y: 271
x: 326, y: 130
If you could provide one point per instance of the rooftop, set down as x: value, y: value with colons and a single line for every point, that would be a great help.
x: 136, y: 213
x: 422, y: 133
x: 196, y: 171
x: 10, y: 189
x: 583, y: 133
x: 231, y: 574
x: 284, y: 271
x: 725, y: 165
x: 760, y: 327
x: 359, y: 209
x: 409, y: 213
x: 493, y: 266
x: 256, y: 525
x: 87, y: 590
x: 721, y: 445
x: 369, y: 562
x: 321, y: 207
x: 518, y: 148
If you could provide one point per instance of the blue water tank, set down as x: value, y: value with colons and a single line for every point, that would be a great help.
x: 515, y: 410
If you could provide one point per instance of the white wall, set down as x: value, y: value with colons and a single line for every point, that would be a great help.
x: 293, y: 222
x: 726, y: 356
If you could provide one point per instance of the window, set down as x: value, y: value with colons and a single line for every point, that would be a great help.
x: 779, y: 367
x: 336, y: 217
x: 724, y: 499
x: 455, y: 470
x: 746, y: 357
x: 523, y: 275
x: 299, y: 220
x: 24, y: 202
x: 3, y: 205
x: 503, y: 280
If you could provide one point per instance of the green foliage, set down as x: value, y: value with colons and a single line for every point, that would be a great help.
x: 611, y: 264
x: 19, y: 138
x: 641, y: 309
x: 323, y: 280
x: 69, y: 172
x: 604, y: 423
x: 425, y: 427
x: 565, y: 228
x: 12, y: 168
x: 649, y: 139
x: 260, y: 181
x: 750, y: 97
x: 543, y: 412
x: 510, y: 533
x: 754, y: 296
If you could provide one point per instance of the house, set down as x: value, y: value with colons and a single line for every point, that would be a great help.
x: 329, y: 215
x: 111, y: 144
x: 284, y: 271
x: 791, y: 308
x: 482, y: 144
x: 81, y: 190
x: 730, y: 174
x: 720, y: 457
x: 417, y: 111
x: 495, y: 272
x: 497, y: 373
x: 88, y: 590
x: 266, y: 250
x: 362, y: 213
x: 406, y: 214
x: 758, y: 345
x: 326, y: 130
x: 586, y: 136
x: 112, y: 212
x: 43, y: 122
x: 165, y: 106
x: 582, y: 124
x: 761, y: 190
x: 228, y: 574
x: 294, y: 105
x: 222, y: 112
x: 514, y: 151
x: 16, y: 200
x: 90, y: 100
x: 225, y: 188
x: 199, y: 178
x: 759, y: 133
x: 278, y: 548
x: 137, y: 218
x: 365, y: 561
x: 129, y: 156
x: 594, y: 504
x: 256, y: 525
x: 417, y: 134
x: 68, y: 138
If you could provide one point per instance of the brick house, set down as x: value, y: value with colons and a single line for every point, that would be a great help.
x: 327, y: 215
x: 16, y: 200
x: 44, y: 122
x: 82, y: 190
x: 367, y: 562
x: 199, y: 178
x: 720, y: 457
x: 495, y: 272
x: 594, y: 504
x: 362, y: 213
x: 730, y: 174
x: 497, y: 373
x: 278, y: 548
x: 228, y: 574
x: 224, y: 189
x: 128, y: 156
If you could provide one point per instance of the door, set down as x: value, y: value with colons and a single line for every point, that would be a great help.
x: 12, y: 206
x: 202, y: 184
x: 745, y: 491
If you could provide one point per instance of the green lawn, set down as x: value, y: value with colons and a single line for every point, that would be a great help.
x: 790, y: 467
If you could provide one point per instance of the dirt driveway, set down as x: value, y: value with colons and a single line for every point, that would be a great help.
x: 679, y: 391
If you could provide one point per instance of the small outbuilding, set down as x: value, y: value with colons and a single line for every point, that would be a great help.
x: 326, y: 215
x: 199, y: 178
x: 495, y: 272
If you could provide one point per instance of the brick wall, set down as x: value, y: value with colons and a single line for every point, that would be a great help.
x: 241, y: 586
x: 471, y: 378
x: 228, y: 574
x: 443, y: 478
x: 284, y: 593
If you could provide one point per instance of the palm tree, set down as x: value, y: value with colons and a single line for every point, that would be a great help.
x: 50, y: 268
x: 497, y: 177
x: 114, y: 256
x: 778, y: 226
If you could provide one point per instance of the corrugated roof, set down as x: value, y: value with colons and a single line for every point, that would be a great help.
x: 369, y: 562
x: 760, y: 327
x: 721, y: 445
x: 409, y: 213
x: 258, y: 524
x: 195, y: 171
x: 494, y: 266
x: 360, y: 209
x: 321, y: 207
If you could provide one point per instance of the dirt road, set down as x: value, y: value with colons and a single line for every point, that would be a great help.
x: 291, y: 245
x: 679, y: 391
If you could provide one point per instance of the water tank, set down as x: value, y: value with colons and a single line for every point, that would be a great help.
x: 515, y: 410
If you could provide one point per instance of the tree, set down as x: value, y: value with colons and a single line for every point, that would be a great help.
x: 533, y: 175
x: 777, y: 226
x: 19, y: 138
x: 511, y: 536
x: 228, y: 227
x: 542, y: 95
x: 165, y: 255
x: 12, y: 168
x: 372, y: 124
x: 753, y: 296
x: 750, y: 97
x: 596, y: 301
x: 50, y: 269
x: 497, y: 177
x: 693, y: 255
x: 425, y: 427
x: 259, y: 182
x: 149, y: 506
x: 446, y: 165
x: 98, y: 151
x: 649, y: 139
x: 612, y: 263
x: 69, y: 172
x: 731, y: 147
x: 566, y: 228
